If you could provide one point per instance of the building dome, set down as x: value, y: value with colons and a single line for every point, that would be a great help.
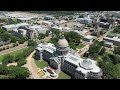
x: 87, y: 64
x: 62, y: 43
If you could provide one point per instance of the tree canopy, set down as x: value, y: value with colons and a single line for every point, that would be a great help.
x: 117, y: 50
x: 110, y: 70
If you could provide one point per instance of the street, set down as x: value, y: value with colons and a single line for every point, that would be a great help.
x: 21, y: 46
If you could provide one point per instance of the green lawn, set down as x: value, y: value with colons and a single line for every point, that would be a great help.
x: 13, y: 53
x: 41, y: 64
x: 80, y: 46
x: 62, y: 75
x: 111, y: 34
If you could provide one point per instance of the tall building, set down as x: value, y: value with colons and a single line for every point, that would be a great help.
x: 62, y: 58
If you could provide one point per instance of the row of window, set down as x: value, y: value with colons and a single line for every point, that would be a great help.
x: 79, y: 76
x: 62, y: 52
x: 69, y: 68
x: 71, y: 64
x: 94, y: 74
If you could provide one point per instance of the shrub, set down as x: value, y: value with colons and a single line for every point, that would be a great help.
x: 4, y: 48
x: 1, y: 49
x: 7, y: 47
x: 14, y: 45
x: 21, y: 62
x: 3, y: 70
x: 7, y: 59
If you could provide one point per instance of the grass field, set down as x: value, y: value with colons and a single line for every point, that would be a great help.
x: 13, y: 53
x: 80, y: 46
x: 62, y: 75
x: 41, y: 64
x: 111, y: 34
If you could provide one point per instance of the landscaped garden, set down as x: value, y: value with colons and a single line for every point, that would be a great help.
x: 41, y: 64
x: 80, y: 46
x: 62, y: 75
x: 13, y: 53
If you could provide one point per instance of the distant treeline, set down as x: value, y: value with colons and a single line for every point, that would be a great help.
x: 61, y: 13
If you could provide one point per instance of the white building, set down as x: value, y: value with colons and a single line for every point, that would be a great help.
x: 114, y: 40
x: 85, y: 20
x: 108, y: 44
x: 14, y: 26
x: 33, y: 31
x: 49, y: 17
x: 60, y: 57
x: 25, y: 19
x: 19, y: 32
x: 57, y: 27
x: 89, y: 38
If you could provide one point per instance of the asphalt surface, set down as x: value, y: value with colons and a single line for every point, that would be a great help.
x: 13, y: 49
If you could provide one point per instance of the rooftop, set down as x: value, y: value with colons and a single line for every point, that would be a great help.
x: 15, y: 25
x: 73, y: 59
x: 89, y: 37
x: 62, y: 43
x: 114, y: 38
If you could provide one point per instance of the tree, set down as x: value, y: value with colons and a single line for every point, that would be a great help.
x: 13, y: 39
x: 116, y: 59
x: 7, y: 59
x: 106, y: 58
x: 47, y: 33
x: 21, y: 41
x: 17, y: 72
x: 21, y: 62
x: 32, y: 43
x: 25, y: 38
x: 102, y: 51
x: 95, y: 48
x: 4, y: 48
x: 54, y: 40
x: 101, y: 32
x: 41, y: 36
x: 4, y: 36
x: 110, y: 70
x: 2, y: 31
x: 4, y: 70
x: 95, y: 55
x: 55, y: 31
x: 72, y: 45
x: 80, y: 16
x: 14, y: 45
x: 73, y: 37
x: 18, y: 57
x: 117, y: 50
x: 1, y: 49
x: 7, y: 47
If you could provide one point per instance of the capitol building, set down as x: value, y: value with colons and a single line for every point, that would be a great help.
x: 62, y: 58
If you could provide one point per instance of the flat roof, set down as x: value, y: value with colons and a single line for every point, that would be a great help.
x: 73, y: 59
x: 110, y: 43
x: 94, y: 67
x: 15, y: 25
x: 56, y: 27
x: 38, y: 28
x: 89, y: 37
x: 48, y: 22
x: 25, y: 18
x: 114, y: 38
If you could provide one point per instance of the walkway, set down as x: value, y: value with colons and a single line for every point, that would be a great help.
x: 83, y: 50
x: 32, y: 67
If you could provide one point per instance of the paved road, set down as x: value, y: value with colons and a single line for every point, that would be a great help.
x: 13, y: 49
x: 101, y: 38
